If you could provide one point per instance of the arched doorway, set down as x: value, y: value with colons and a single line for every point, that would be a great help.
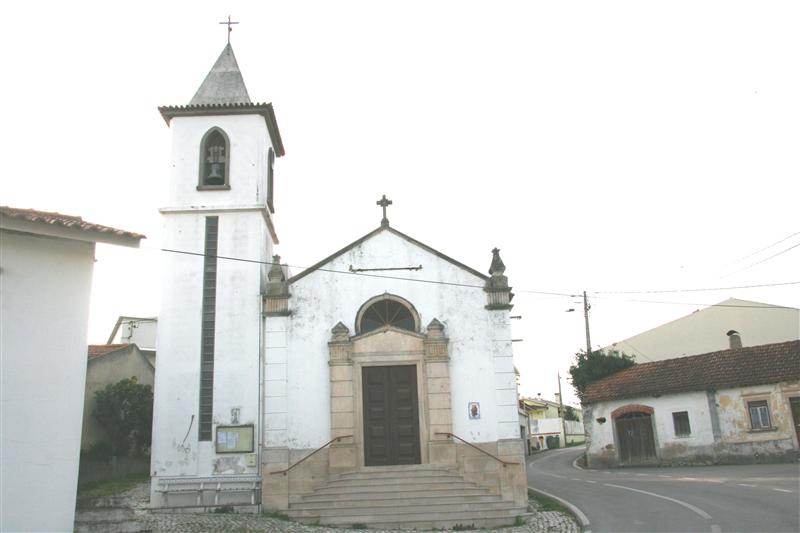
x: 634, y: 431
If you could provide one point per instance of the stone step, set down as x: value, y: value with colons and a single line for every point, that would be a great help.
x: 395, y: 481
x: 332, y: 495
x: 385, y: 487
x: 389, y: 474
x: 396, y: 499
x: 481, y: 519
x: 384, y: 509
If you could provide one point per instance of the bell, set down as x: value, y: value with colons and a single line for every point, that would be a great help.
x: 215, y: 175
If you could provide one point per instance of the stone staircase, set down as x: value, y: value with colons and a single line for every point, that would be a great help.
x: 418, y: 496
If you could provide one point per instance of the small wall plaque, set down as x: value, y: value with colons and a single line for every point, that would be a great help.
x: 234, y: 439
x: 474, y: 410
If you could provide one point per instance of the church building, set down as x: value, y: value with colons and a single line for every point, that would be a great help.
x: 376, y: 387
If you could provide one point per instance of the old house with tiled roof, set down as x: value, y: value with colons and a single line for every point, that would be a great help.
x: 46, y: 263
x: 736, y: 405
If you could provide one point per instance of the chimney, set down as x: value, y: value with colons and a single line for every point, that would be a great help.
x: 734, y: 339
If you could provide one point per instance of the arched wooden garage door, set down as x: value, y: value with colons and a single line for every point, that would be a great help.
x: 635, y: 438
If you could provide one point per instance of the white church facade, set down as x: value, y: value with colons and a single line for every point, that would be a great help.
x: 383, y: 371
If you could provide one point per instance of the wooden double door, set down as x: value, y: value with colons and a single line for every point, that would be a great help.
x: 391, y: 415
x: 635, y: 438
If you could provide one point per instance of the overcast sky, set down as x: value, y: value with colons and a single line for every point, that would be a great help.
x: 602, y: 146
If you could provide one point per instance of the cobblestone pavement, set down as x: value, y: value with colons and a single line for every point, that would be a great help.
x: 157, y: 522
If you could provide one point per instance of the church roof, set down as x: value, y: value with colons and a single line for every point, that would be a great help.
x: 371, y: 234
x: 223, y: 84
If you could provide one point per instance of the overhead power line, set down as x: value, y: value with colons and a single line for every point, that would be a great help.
x: 748, y: 256
x: 665, y: 291
x: 599, y: 294
x: 766, y: 259
x: 352, y: 273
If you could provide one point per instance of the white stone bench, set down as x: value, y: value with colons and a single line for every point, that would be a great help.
x: 201, y: 485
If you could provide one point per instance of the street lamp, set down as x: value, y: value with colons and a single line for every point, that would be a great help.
x: 586, y: 308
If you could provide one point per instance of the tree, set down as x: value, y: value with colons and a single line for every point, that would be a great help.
x: 596, y: 365
x: 125, y: 410
x: 570, y: 414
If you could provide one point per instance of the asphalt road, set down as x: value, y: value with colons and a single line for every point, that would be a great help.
x: 742, y: 498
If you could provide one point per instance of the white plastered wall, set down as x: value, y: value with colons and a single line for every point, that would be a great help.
x: 695, y: 403
x: 44, y: 310
x: 481, y: 366
x: 176, y: 449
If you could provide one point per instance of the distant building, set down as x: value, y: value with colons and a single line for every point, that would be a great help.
x: 545, y: 421
x: 108, y: 364
x: 729, y: 406
x: 705, y: 330
x: 46, y: 262
x: 135, y: 330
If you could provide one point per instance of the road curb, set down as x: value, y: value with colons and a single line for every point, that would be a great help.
x: 574, y: 511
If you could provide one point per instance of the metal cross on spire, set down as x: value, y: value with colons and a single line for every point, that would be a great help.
x: 384, y: 203
x: 229, y: 23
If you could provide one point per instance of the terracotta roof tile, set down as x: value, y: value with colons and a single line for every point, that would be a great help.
x: 741, y: 367
x: 65, y: 221
x: 98, y: 350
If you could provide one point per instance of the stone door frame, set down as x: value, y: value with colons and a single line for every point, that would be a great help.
x: 389, y: 346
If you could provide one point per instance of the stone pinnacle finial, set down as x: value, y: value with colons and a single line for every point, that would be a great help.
x: 276, y: 271
x: 497, y: 267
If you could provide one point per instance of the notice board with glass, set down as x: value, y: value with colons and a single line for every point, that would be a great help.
x: 234, y: 439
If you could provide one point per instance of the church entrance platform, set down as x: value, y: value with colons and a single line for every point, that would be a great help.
x: 408, y: 496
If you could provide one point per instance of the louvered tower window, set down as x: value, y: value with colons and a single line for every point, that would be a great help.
x: 205, y: 411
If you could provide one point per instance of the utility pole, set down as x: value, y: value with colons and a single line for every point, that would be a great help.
x: 586, y: 308
x: 561, y: 412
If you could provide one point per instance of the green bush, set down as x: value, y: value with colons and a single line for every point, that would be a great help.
x: 125, y: 411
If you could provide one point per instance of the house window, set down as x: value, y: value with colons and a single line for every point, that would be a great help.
x: 759, y: 415
x: 270, y: 176
x: 214, y: 160
x: 680, y: 421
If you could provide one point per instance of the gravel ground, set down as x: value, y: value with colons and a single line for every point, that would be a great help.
x: 159, y: 522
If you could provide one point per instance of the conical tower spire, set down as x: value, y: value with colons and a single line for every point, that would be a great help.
x: 224, y: 83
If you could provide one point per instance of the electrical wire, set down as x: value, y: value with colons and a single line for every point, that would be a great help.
x: 748, y: 256
x: 701, y: 290
x: 766, y: 259
x: 596, y: 294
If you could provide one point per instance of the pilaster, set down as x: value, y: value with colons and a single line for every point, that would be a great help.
x: 441, y: 449
x: 343, y: 454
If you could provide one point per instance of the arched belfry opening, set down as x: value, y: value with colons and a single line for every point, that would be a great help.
x: 214, y: 159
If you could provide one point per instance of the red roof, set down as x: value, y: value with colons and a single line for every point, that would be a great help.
x: 64, y: 221
x: 98, y: 350
x: 725, y: 369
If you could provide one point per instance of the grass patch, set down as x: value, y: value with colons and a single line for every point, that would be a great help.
x: 277, y: 515
x: 111, y: 487
x: 543, y: 503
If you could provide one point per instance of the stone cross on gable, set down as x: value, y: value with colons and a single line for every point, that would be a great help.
x: 384, y: 203
x: 229, y: 23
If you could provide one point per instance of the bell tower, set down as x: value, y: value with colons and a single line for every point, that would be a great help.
x: 218, y: 234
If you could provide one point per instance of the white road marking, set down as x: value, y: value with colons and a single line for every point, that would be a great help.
x: 662, y: 475
x: 715, y: 528
x: 679, y: 502
x: 642, y: 474
x: 589, y: 481
x: 745, y: 485
x: 553, y: 475
x: 783, y: 490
